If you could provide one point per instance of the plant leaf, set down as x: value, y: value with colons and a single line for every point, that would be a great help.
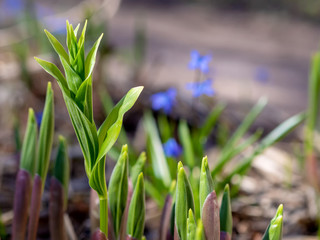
x: 225, y: 212
x: 191, y: 226
x: 110, y: 128
x: 185, y: 138
x: 138, y: 168
x: 91, y: 58
x: 45, y: 135
x: 211, y: 120
x: 57, y: 46
x: 29, y: 147
x: 118, y: 189
x: 199, y: 231
x: 55, y: 72
x: 62, y: 167
x: 159, y: 164
x: 274, y: 230
x: 184, y: 202
x: 206, y: 183
x: 136, y: 214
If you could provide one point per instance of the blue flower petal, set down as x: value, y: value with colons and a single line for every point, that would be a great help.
x: 201, y: 88
x: 164, y: 100
x: 200, y: 62
x: 262, y: 75
x: 172, y: 148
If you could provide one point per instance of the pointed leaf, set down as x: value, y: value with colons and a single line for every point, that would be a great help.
x: 55, y: 72
x: 110, y: 129
x: 184, y: 202
x: 45, y: 135
x: 185, y: 138
x: 191, y: 226
x: 91, y: 58
x: 199, y: 231
x: 118, y: 189
x: 274, y: 230
x: 57, y: 46
x: 138, y: 168
x: 225, y: 212
x: 136, y: 214
x: 206, y: 183
x: 29, y: 146
x: 159, y: 163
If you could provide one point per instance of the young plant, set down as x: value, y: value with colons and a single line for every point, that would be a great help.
x: 274, y: 230
x: 214, y: 223
x: 127, y: 207
x: 34, y: 165
x: 24, y: 179
x: 42, y: 162
x: 76, y: 87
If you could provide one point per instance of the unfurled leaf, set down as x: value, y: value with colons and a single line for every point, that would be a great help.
x: 118, y: 189
x: 45, y: 135
x: 225, y: 212
x: 184, y: 202
x: 55, y: 72
x: 206, y: 183
x: 29, y: 146
x: 136, y: 214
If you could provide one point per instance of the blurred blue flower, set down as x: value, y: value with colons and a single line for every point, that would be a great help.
x: 262, y: 75
x: 201, y: 88
x: 200, y: 62
x: 10, y: 9
x: 164, y: 100
x: 38, y: 116
x: 172, y: 148
x: 13, y: 6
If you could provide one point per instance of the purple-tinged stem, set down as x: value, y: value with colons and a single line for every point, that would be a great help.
x: 56, y: 210
x: 225, y: 236
x: 35, y: 208
x: 164, y: 233
x: 21, y: 204
x: 98, y: 235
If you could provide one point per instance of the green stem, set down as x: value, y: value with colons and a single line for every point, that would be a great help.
x: 104, y: 215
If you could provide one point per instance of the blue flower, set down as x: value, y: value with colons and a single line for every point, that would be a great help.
x: 39, y: 118
x: 200, y: 62
x: 164, y: 100
x: 14, y: 6
x: 172, y: 148
x: 201, y: 88
x: 261, y: 75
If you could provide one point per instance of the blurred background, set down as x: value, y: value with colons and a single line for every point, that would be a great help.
x: 258, y: 48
